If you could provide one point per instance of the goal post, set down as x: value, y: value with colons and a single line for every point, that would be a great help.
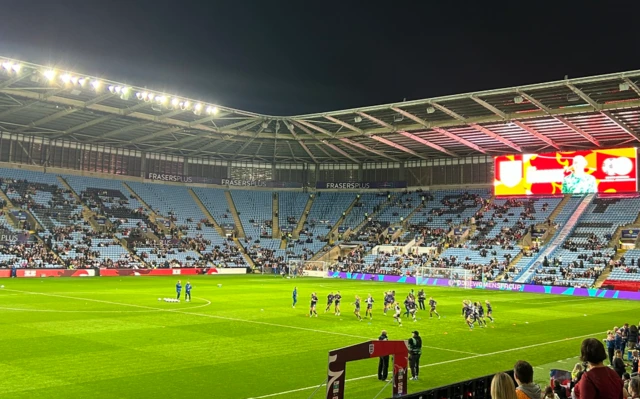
x: 307, y: 268
x: 458, y: 276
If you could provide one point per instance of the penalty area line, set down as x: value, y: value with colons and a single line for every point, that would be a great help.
x: 434, y: 364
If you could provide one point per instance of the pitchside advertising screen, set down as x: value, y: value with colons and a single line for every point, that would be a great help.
x: 575, y: 172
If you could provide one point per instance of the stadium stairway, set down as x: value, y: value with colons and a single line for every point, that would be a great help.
x: 338, y: 223
x: 153, y: 216
x: 234, y: 214
x: 275, y: 228
x: 206, y: 212
x: 87, y: 214
x: 303, y: 217
x: 562, y: 235
x: 559, y: 208
x: 33, y: 222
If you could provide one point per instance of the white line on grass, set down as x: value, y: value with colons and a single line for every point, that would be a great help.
x: 434, y: 364
x: 208, y: 302
x: 222, y: 318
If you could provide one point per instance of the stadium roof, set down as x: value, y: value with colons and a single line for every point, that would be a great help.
x: 601, y: 111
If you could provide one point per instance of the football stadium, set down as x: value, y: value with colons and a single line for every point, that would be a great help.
x: 413, y: 249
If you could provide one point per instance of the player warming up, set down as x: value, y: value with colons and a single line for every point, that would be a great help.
x: 432, y: 305
x: 312, y: 308
x: 336, y: 299
x: 294, y: 295
x: 421, y: 298
x: 398, y: 314
x: 489, y: 310
x: 178, y: 289
x: 356, y: 311
x: 467, y: 312
x: 187, y: 292
x: 481, y: 321
x: 369, y: 311
x: 329, y: 302
x: 413, y: 308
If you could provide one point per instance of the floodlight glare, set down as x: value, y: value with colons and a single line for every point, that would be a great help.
x: 175, y: 102
x: 50, y: 74
x: 7, y: 66
x: 118, y: 89
x: 112, y: 89
x: 16, y: 68
x: 66, y: 78
x: 198, y: 107
x: 95, y: 84
x: 82, y: 81
x: 74, y: 80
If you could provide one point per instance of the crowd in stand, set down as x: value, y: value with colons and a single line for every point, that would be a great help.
x: 589, y: 379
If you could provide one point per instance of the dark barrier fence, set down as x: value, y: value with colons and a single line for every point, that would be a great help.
x: 477, y: 388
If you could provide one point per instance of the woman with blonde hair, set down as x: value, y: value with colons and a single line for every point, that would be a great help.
x: 502, y: 387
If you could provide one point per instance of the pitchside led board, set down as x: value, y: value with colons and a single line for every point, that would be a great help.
x: 575, y: 172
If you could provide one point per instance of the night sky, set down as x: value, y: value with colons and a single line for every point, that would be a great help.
x: 295, y: 57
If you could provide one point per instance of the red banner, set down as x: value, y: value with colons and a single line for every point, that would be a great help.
x: 574, y: 172
x: 55, y: 273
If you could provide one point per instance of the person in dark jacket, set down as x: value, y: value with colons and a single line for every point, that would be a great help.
x: 610, y: 342
x: 618, y: 363
x: 632, y: 338
x: 383, y: 363
x: 415, y: 351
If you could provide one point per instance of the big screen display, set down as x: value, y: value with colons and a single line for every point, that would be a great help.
x: 575, y: 172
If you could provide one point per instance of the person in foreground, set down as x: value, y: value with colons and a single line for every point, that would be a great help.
x: 599, y: 382
x: 502, y: 387
x: 523, y: 373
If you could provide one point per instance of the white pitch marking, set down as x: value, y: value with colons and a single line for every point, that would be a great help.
x: 434, y: 364
x: 221, y: 318
x: 208, y: 302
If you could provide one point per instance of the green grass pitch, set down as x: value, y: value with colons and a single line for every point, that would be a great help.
x: 111, y: 337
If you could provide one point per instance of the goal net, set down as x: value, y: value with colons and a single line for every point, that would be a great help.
x: 457, y: 276
x: 299, y: 268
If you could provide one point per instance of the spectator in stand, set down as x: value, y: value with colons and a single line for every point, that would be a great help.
x: 634, y: 388
x: 523, y: 373
x: 618, y: 363
x: 611, y: 345
x: 502, y: 387
x: 549, y: 394
x: 599, y: 382
x: 633, y: 336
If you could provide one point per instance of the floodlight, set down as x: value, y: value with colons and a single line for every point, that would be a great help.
x: 112, y: 89
x: 212, y: 110
x: 16, y: 68
x: 7, y: 66
x: 74, y: 80
x: 185, y: 105
x: 175, y: 102
x: 357, y: 119
x: 82, y: 81
x: 518, y: 99
x: 50, y: 74
x: 118, y: 89
x: 151, y: 96
x: 96, y: 84
x: 624, y: 86
x: 265, y: 124
x: 398, y: 118
x: 430, y: 110
x: 197, y: 109
x: 66, y: 78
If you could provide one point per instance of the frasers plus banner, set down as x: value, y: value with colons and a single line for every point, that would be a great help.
x: 575, y: 172
x: 365, y: 185
x: 222, y: 182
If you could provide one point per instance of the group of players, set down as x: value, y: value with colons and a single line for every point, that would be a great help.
x: 472, y: 312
